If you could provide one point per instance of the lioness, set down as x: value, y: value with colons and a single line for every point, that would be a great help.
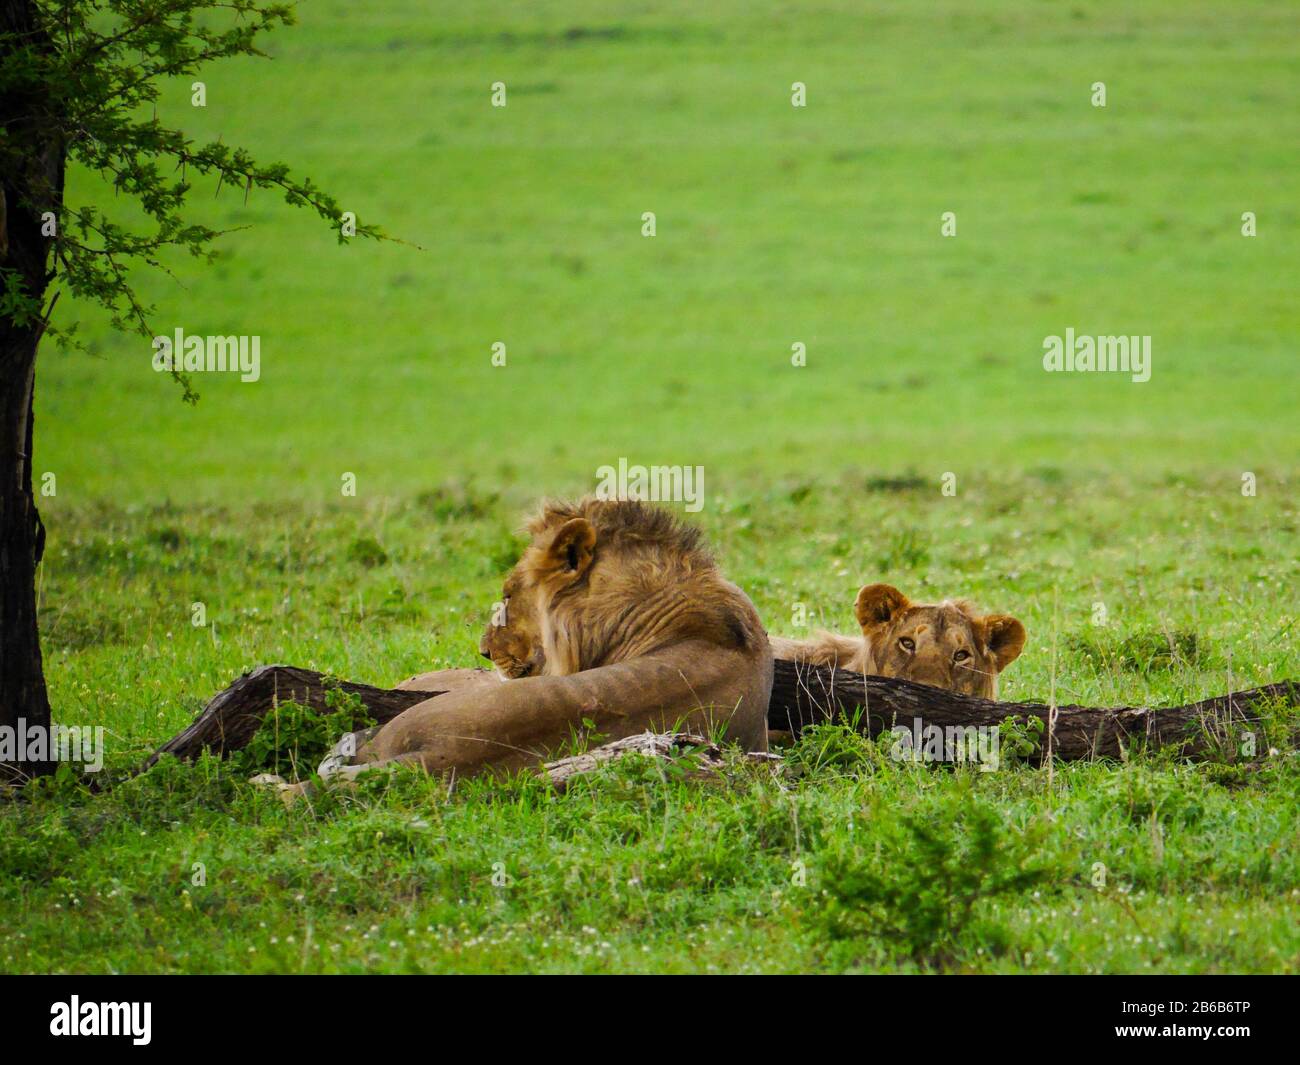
x: 619, y: 617
x: 946, y: 645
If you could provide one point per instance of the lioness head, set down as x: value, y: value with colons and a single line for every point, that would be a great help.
x: 946, y: 645
x: 513, y: 637
x: 607, y: 580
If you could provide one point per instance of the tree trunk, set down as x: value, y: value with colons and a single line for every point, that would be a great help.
x: 31, y: 183
x: 808, y: 695
x: 24, y: 704
x: 801, y: 696
x: 232, y: 716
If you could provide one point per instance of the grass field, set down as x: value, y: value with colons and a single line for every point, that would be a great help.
x: 775, y: 225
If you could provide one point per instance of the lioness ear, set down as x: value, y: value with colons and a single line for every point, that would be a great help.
x: 570, y: 550
x: 878, y: 603
x: 1006, y: 638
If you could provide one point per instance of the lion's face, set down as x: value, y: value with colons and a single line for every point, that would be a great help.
x: 946, y: 645
x: 513, y: 637
x: 604, y: 581
x: 559, y: 559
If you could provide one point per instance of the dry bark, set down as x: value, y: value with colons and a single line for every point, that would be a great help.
x: 806, y: 695
x: 801, y: 696
x: 708, y: 758
x: 232, y: 716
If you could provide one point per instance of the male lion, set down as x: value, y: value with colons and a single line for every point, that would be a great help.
x: 514, y: 646
x: 636, y: 628
x: 946, y: 645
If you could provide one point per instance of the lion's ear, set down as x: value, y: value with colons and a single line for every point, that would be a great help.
x: 572, y: 547
x: 877, y: 604
x: 1005, y: 637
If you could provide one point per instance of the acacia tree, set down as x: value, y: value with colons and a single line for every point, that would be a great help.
x: 79, y: 84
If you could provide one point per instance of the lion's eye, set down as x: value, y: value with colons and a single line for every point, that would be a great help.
x: 961, y: 656
x: 907, y: 645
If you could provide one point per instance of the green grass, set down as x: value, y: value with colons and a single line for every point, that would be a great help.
x: 631, y: 871
x: 775, y: 225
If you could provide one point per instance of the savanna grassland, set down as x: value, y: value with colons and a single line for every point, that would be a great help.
x: 775, y: 225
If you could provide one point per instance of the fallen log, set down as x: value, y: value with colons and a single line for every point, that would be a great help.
x: 232, y: 716
x: 801, y: 696
x: 805, y: 695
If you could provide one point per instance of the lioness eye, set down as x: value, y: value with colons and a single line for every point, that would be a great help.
x: 961, y: 656
x: 907, y: 645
